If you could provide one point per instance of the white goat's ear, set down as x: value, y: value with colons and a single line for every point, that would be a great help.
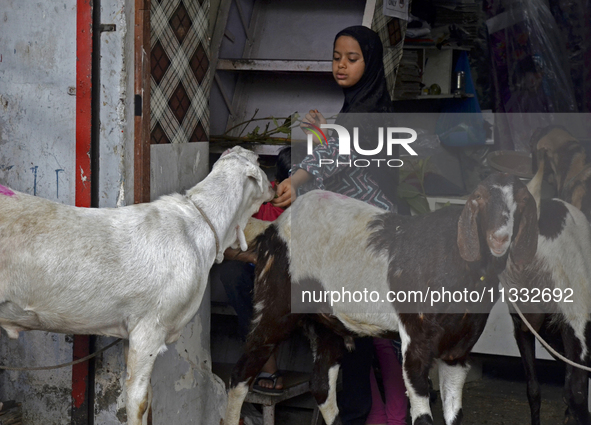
x: 257, y: 174
x: 241, y: 238
x: 468, y: 241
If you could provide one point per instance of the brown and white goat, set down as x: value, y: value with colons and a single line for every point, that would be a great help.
x: 561, y: 263
x: 333, y: 242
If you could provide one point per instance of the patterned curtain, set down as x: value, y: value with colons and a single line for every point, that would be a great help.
x: 180, y: 71
x: 391, y: 32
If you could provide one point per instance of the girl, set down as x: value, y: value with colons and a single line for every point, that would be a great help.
x: 358, y: 69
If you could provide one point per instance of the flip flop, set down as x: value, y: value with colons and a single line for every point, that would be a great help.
x: 267, y: 377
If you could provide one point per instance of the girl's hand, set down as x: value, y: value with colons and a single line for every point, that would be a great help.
x: 284, y: 194
x: 312, y: 117
x: 287, y: 189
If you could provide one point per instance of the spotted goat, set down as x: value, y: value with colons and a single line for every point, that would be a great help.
x: 561, y: 266
x: 333, y: 243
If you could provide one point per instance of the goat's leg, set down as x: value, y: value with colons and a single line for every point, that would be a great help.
x: 261, y: 343
x: 416, y: 361
x: 526, y: 344
x: 248, y: 366
x: 328, y: 348
x: 141, y: 356
x: 576, y: 382
x: 451, y: 383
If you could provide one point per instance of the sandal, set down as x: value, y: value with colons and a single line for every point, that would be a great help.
x: 267, y: 377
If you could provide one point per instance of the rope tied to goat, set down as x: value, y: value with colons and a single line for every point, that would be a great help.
x: 83, y: 359
x: 539, y: 338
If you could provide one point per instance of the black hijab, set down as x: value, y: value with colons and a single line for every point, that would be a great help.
x: 369, y: 95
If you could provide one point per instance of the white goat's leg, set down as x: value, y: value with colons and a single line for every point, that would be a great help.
x: 416, y: 380
x: 236, y: 396
x: 328, y: 350
x: 140, y: 362
x: 329, y: 408
x: 146, y: 417
x: 451, y: 383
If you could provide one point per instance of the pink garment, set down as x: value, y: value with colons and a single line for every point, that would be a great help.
x: 393, y: 412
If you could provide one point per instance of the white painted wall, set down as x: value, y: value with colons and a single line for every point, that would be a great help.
x: 116, y: 115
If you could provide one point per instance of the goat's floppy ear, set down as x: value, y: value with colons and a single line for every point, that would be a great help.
x: 257, y: 174
x: 468, y: 241
x: 525, y: 244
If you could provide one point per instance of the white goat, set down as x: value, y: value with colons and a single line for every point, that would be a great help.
x: 137, y: 272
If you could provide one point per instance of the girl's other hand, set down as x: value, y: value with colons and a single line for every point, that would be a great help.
x: 312, y: 117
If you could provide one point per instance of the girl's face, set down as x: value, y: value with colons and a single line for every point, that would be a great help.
x: 347, y: 61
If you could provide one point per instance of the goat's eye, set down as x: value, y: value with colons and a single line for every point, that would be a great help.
x: 477, y: 196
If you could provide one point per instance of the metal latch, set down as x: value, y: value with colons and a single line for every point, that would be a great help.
x: 107, y: 27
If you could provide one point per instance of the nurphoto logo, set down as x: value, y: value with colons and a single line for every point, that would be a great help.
x: 390, y: 134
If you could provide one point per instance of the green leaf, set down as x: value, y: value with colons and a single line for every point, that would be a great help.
x: 295, y: 116
x: 406, y: 190
x: 419, y: 204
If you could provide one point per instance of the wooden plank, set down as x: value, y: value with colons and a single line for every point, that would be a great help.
x: 84, y: 38
x: 141, y: 173
x: 83, y: 101
x: 368, y: 13
x: 274, y: 65
x: 218, y: 34
x: 269, y: 415
x: 225, y: 96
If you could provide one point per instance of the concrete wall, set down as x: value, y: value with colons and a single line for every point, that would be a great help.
x: 37, y: 97
x: 37, y: 156
x: 37, y: 124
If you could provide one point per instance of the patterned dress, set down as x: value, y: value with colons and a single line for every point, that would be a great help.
x: 350, y: 181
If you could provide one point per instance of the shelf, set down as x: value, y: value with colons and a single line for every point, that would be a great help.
x: 436, y: 96
x: 274, y: 65
x: 434, y: 47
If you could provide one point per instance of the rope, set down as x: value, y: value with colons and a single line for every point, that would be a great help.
x: 539, y: 338
x: 83, y: 359
x: 215, y: 235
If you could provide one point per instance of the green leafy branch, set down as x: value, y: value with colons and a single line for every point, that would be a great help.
x: 416, y: 198
x: 267, y: 134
